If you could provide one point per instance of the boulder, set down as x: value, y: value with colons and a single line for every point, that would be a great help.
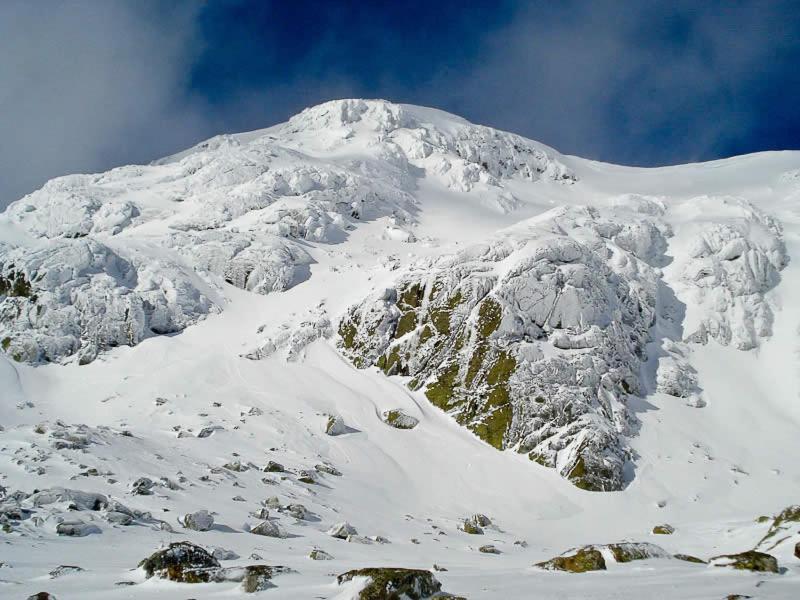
x: 197, y: 521
x: 330, y: 470
x: 76, y: 528
x: 183, y: 562
x: 342, y: 530
x: 317, y: 554
x: 580, y: 561
x: 269, y: 529
x: 274, y: 467
x: 489, y: 549
x: 663, y: 529
x: 399, y: 420
x: 751, y: 560
x: 335, y: 425
x: 389, y: 583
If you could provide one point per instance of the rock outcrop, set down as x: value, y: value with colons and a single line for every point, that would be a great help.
x: 532, y: 340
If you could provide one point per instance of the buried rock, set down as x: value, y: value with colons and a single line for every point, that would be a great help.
x: 399, y: 420
x: 76, y: 528
x: 183, y: 562
x: 62, y: 570
x: 581, y: 561
x: 751, y: 560
x: 42, y: 596
x: 389, y: 583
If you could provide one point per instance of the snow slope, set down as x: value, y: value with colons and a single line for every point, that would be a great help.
x: 163, y: 321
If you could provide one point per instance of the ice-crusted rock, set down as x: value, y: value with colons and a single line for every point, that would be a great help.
x: 532, y: 340
x: 269, y: 529
x: 256, y: 263
x: 82, y: 297
x: 137, y: 251
x: 291, y: 339
x: 77, y: 499
x: 733, y: 260
x: 198, y: 521
x: 342, y: 530
x: 335, y: 425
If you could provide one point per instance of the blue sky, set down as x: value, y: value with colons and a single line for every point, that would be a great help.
x: 86, y: 85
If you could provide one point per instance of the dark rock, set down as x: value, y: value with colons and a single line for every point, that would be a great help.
x: 751, y: 560
x: 388, y: 583
x: 183, y: 562
x: 274, y: 467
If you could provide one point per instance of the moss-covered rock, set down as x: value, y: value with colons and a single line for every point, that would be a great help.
x: 398, y: 419
x: 690, y: 558
x: 183, y: 562
x: 580, y: 561
x: 751, y: 560
x: 390, y: 583
x: 625, y: 552
x: 663, y: 529
x: 787, y: 518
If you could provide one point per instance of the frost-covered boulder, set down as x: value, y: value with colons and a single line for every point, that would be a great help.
x: 80, y: 297
x: 532, y: 340
x: 76, y: 499
x: 342, y: 530
x: 269, y: 529
x: 335, y: 425
x: 183, y: 562
x: 198, y: 521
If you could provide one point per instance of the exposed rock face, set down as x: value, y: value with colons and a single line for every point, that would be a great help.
x: 183, y: 562
x: 751, y: 560
x: 532, y: 340
x: 389, y: 583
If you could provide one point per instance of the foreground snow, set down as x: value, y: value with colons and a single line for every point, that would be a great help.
x: 255, y: 246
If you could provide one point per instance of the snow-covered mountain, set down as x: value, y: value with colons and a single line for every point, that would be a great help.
x: 384, y: 316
